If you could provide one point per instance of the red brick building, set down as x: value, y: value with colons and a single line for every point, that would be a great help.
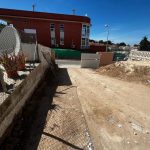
x: 53, y: 30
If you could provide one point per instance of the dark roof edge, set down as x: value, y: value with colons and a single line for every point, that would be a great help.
x: 46, y: 14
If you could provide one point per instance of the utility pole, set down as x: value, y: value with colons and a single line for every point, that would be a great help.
x: 33, y: 7
x: 108, y: 28
x: 74, y: 11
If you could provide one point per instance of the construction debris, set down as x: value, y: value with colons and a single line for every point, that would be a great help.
x: 137, y: 71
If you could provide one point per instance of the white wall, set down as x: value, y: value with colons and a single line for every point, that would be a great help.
x: 30, y: 51
x: 139, y: 55
x: 90, y: 60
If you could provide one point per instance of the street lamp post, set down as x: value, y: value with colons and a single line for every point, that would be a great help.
x: 107, y: 27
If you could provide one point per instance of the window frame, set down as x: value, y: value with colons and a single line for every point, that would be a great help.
x: 62, y: 41
x: 52, y: 27
x: 83, y: 45
x: 62, y: 28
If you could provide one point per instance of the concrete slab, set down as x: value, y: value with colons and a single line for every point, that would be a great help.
x: 68, y: 63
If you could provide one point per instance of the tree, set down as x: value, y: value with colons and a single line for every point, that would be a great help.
x: 109, y: 42
x: 145, y: 44
x: 105, y: 42
x: 2, y: 26
x: 101, y: 42
x: 135, y: 45
x: 91, y: 40
x: 122, y: 44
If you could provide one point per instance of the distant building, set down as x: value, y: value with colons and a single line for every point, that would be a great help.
x: 52, y: 30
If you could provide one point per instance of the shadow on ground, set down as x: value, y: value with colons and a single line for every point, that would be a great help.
x: 27, y: 131
x: 63, y: 141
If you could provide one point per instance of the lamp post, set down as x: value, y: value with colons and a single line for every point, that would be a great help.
x: 108, y: 28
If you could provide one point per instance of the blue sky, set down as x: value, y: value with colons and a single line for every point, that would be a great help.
x: 129, y: 20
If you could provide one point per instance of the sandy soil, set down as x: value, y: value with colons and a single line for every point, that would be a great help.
x: 117, y: 112
x: 52, y: 120
x: 135, y: 71
x: 65, y: 127
x: 83, y: 108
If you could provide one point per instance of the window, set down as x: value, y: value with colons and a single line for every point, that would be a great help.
x: 52, y: 33
x: 61, y: 28
x: 61, y: 41
x: 84, y: 30
x: 53, y: 41
x: 52, y: 27
x: 87, y: 42
x: 83, y: 42
x: 61, y: 34
x: 85, y: 36
x: 88, y: 30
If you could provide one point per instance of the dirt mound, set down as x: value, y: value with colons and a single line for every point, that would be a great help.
x: 129, y: 70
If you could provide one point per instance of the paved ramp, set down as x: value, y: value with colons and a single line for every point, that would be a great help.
x: 65, y: 126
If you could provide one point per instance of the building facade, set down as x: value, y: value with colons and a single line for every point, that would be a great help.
x: 52, y: 30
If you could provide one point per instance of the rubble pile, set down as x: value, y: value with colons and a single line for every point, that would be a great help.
x: 137, y: 71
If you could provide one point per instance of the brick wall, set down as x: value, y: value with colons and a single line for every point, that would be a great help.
x: 41, y: 22
x: 96, y: 48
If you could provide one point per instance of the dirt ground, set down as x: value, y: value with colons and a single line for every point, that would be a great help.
x: 52, y: 120
x: 86, y: 110
x: 135, y: 71
x: 117, y: 112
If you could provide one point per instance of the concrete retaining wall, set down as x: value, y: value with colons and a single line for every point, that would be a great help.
x: 90, y: 60
x: 10, y: 108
